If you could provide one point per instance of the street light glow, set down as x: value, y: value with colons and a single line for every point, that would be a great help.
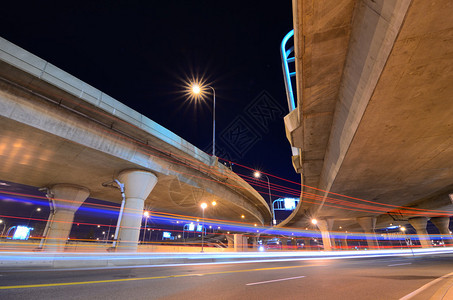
x: 196, y: 89
x: 242, y: 216
x: 257, y: 174
x: 403, y: 229
x: 203, y: 205
x: 146, y: 214
x: 314, y: 221
x: 214, y: 203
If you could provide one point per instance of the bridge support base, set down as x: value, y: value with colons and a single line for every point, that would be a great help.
x: 240, y: 242
x: 368, y: 225
x: 344, y: 244
x: 325, y: 226
x: 443, y: 223
x: 419, y: 223
x: 65, y: 200
x: 138, y: 184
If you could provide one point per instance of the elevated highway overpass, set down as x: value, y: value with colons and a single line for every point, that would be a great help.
x: 374, y: 112
x: 59, y: 133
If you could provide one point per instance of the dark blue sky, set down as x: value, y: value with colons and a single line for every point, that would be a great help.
x: 141, y: 52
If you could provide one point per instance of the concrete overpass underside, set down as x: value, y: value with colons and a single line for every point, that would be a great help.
x: 56, y: 129
x: 374, y: 105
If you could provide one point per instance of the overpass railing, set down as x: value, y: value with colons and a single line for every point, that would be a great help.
x: 288, y: 63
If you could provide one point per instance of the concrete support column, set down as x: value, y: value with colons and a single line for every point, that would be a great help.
x: 293, y: 244
x: 419, y: 224
x: 65, y: 200
x: 325, y: 226
x: 238, y: 242
x: 137, y: 186
x: 254, y: 244
x: 368, y: 225
x: 344, y: 244
x: 230, y: 240
x: 284, y: 244
x: 443, y: 225
x: 307, y: 243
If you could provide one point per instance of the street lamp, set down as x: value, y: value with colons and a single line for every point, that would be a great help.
x: 146, y: 214
x: 258, y: 174
x: 4, y: 227
x: 203, y: 206
x: 35, y: 210
x: 197, y: 90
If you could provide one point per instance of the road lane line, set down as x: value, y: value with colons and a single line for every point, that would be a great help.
x: 417, y: 291
x: 275, y: 280
x: 148, y: 278
x: 399, y: 264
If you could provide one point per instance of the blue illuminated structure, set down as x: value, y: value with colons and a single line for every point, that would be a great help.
x: 287, y: 75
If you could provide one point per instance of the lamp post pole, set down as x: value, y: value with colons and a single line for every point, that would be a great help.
x: 213, y: 121
x: 197, y: 90
x: 146, y: 214
x: 258, y: 175
x: 35, y: 210
x: 3, y: 229
x: 203, y: 206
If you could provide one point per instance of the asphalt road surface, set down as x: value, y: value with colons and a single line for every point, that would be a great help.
x: 358, y: 278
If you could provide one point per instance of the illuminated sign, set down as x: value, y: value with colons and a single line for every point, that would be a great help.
x: 166, y: 235
x: 290, y: 203
x: 199, y: 227
x: 22, y: 233
x: 191, y: 227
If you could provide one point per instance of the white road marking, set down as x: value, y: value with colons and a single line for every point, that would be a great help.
x: 400, y: 264
x: 261, y: 282
x: 417, y: 291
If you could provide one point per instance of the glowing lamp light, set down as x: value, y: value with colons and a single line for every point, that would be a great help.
x: 242, y: 216
x: 403, y: 229
x: 196, y: 89
x: 214, y: 203
x: 146, y: 214
x: 314, y: 221
x: 257, y: 174
x: 203, y: 205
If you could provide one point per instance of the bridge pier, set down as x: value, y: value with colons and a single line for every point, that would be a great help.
x: 240, y: 242
x: 325, y: 226
x: 442, y: 224
x: 230, y: 240
x: 368, y: 225
x: 138, y: 184
x: 65, y: 200
x: 344, y: 243
x: 419, y: 224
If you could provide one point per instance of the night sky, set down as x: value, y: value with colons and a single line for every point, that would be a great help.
x: 143, y: 52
